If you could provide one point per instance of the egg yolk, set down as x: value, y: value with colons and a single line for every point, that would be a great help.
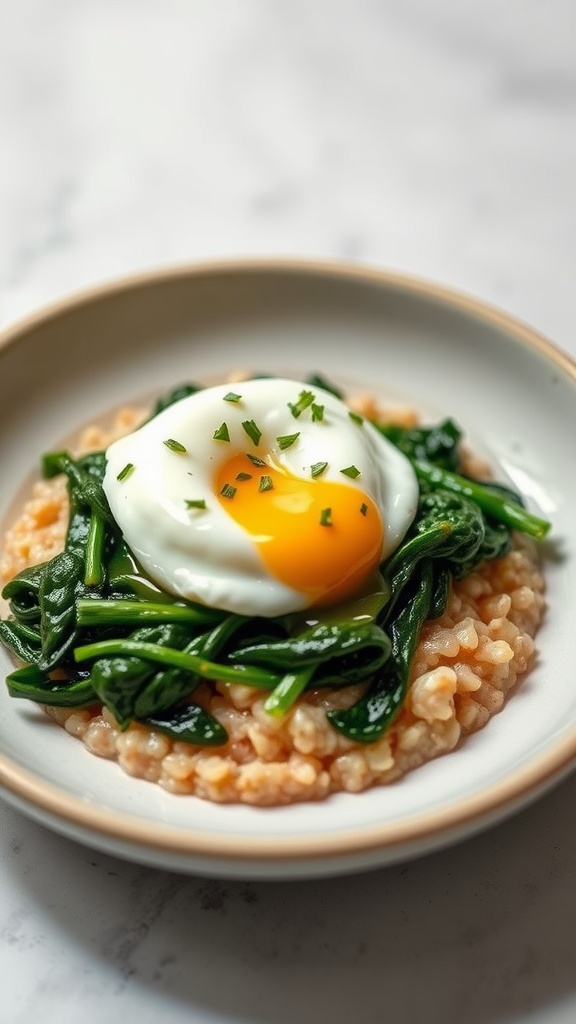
x: 322, y: 538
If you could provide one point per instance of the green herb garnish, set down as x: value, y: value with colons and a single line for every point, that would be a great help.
x: 255, y: 460
x: 305, y: 400
x: 232, y: 397
x: 326, y: 517
x: 128, y: 468
x: 228, y: 491
x: 244, y: 476
x: 355, y: 417
x: 174, y: 446
x: 363, y: 508
x: 195, y: 503
x: 317, y: 413
x: 254, y: 433
x: 287, y: 440
x: 222, y: 434
x: 317, y: 469
x: 265, y: 484
x: 351, y: 471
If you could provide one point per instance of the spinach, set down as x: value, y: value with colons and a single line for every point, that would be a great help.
x: 437, y: 445
x: 23, y: 640
x: 45, y: 596
x: 118, y: 680
x: 176, y: 395
x: 317, y: 380
x: 369, y: 717
x: 31, y: 683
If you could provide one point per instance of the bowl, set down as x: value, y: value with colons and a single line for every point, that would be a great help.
x: 411, y: 341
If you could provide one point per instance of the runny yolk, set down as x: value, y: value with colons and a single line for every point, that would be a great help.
x: 319, y: 537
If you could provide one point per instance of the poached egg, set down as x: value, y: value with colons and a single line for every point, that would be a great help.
x: 265, y: 497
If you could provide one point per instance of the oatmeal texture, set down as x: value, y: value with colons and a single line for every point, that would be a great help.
x: 466, y: 663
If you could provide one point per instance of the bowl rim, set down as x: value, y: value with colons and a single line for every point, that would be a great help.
x: 330, y: 268
x: 515, y: 790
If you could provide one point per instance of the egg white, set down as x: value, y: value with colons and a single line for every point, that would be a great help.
x: 203, y: 554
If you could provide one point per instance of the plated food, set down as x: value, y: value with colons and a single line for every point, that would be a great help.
x: 269, y: 591
x: 414, y: 345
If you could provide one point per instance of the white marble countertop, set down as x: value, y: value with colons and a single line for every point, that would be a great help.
x: 437, y: 139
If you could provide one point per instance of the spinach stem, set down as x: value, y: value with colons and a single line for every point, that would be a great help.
x: 247, y: 676
x: 500, y: 508
x: 120, y: 611
x: 94, y: 566
x: 288, y: 690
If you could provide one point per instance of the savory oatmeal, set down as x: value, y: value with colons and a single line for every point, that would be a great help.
x: 466, y: 662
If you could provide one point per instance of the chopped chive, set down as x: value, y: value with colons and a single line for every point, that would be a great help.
x: 128, y: 468
x: 305, y: 399
x: 232, y: 397
x: 326, y: 517
x: 317, y: 469
x: 317, y: 413
x: 244, y: 476
x: 265, y: 484
x: 355, y: 417
x: 351, y: 471
x: 222, y: 434
x: 363, y: 508
x: 255, y: 460
x: 228, y: 491
x: 195, y: 503
x: 174, y: 446
x: 252, y: 430
x: 287, y: 440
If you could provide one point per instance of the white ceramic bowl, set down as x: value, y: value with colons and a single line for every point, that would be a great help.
x: 513, y: 392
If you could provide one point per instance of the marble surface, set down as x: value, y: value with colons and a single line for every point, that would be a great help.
x: 437, y: 139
